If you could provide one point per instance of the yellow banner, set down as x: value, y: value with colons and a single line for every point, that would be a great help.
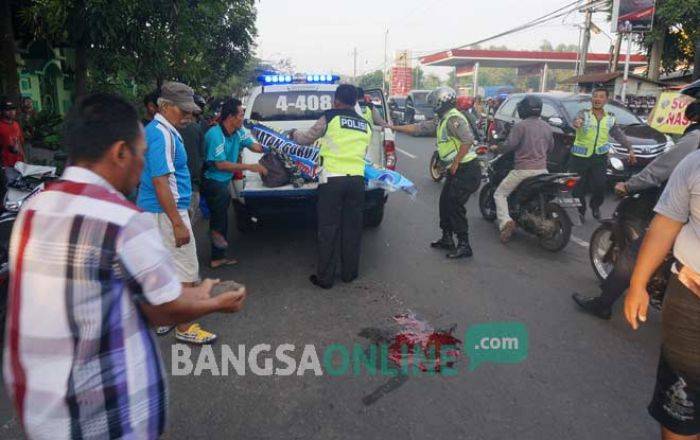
x: 668, y: 114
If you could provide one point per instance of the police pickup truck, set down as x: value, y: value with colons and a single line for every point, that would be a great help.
x: 283, y: 102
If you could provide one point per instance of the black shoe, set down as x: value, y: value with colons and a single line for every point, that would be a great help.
x: 463, y: 250
x: 596, y: 213
x: 446, y: 242
x: 592, y: 306
x: 349, y: 279
x: 315, y: 281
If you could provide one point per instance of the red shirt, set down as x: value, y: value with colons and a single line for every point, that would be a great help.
x: 11, y: 142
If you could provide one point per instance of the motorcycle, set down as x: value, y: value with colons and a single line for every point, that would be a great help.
x: 440, y: 168
x: 628, y: 223
x: 541, y: 205
x: 23, y: 182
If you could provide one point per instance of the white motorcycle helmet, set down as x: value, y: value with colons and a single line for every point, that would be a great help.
x: 442, y: 99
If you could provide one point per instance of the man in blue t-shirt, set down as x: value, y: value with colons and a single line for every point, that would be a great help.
x: 165, y: 191
x: 222, y: 146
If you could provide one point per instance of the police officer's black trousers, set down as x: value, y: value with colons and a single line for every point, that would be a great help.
x: 454, y: 196
x: 340, y: 207
x: 593, y: 179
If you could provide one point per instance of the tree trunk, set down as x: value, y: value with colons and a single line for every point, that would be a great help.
x: 8, y: 63
x: 81, y: 44
x: 80, y: 68
x: 656, y: 53
x: 696, y: 61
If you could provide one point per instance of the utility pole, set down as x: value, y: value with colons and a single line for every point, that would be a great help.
x: 354, y: 66
x: 386, y: 38
x: 615, y: 61
x: 625, y: 78
x: 586, y: 37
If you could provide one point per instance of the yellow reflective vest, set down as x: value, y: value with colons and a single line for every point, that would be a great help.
x: 448, y: 146
x: 344, y: 145
x: 594, y: 136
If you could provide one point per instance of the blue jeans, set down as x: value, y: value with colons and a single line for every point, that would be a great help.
x: 218, y: 199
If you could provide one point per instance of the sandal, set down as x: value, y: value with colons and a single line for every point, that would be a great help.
x: 215, y: 264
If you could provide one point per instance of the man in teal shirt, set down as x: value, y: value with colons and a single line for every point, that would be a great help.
x: 223, y: 143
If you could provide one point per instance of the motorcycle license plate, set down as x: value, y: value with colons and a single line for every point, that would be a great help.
x: 567, y: 202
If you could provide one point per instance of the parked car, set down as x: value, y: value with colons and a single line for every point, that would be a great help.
x: 560, y: 109
x: 397, y: 109
x: 417, y: 107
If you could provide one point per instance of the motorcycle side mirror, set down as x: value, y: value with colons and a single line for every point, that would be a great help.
x: 556, y: 121
x: 617, y: 164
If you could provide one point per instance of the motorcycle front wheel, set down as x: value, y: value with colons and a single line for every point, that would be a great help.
x: 562, y: 228
x: 437, y: 171
x: 603, y: 251
x: 487, y: 205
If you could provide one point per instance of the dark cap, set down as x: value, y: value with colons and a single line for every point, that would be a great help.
x: 7, y: 104
x: 181, y: 95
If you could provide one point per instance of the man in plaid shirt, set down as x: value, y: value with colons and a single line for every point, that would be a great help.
x: 89, y: 275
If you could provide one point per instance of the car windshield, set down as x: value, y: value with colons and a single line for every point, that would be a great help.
x: 400, y: 101
x: 622, y: 115
x: 291, y: 105
x: 420, y: 99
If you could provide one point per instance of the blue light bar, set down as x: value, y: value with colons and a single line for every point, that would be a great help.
x: 289, y: 79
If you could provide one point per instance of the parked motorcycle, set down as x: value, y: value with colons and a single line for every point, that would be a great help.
x: 23, y: 182
x: 541, y: 205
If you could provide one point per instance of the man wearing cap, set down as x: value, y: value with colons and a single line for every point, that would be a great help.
x: 165, y: 191
x: 11, y: 135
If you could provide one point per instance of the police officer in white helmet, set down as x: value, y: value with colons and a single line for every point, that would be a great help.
x: 454, y: 142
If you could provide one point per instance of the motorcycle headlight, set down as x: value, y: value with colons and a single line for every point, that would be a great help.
x: 670, y: 143
x: 13, y: 206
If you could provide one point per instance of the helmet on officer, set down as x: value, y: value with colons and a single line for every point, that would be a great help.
x: 530, y: 106
x: 442, y: 99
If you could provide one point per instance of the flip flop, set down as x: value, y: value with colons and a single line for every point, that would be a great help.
x: 224, y: 262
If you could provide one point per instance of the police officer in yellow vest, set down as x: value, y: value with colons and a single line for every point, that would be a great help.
x: 343, y: 137
x: 594, y: 128
x: 454, y: 143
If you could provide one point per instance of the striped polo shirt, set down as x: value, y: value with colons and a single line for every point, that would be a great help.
x: 80, y: 360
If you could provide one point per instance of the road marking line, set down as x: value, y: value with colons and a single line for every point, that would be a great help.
x: 580, y: 242
x: 406, y: 153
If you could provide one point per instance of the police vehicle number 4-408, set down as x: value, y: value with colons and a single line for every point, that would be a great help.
x: 298, y: 102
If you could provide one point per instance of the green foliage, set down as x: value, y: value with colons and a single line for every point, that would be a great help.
x: 46, y: 130
x: 677, y: 22
x: 372, y: 80
x: 200, y: 42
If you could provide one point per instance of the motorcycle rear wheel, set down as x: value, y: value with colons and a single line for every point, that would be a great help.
x: 487, y: 205
x: 437, y: 171
x: 603, y: 251
x: 560, y: 238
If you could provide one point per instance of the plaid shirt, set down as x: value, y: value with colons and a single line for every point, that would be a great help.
x: 80, y: 360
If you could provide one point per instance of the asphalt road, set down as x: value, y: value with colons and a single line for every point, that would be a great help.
x: 583, y: 378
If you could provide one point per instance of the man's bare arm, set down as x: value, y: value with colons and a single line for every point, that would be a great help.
x: 192, y: 304
x: 656, y: 246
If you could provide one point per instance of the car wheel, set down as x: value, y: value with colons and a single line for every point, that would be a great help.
x: 373, y: 217
x: 244, y: 221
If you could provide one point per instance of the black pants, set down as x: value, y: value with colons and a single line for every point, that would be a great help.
x: 619, y: 279
x: 593, y: 179
x: 218, y: 200
x: 340, y: 206
x: 454, y: 196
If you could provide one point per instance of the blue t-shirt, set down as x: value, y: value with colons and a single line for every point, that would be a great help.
x: 221, y: 148
x: 165, y: 155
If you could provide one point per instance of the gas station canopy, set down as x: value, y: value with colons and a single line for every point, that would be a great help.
x: 465, y: 59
